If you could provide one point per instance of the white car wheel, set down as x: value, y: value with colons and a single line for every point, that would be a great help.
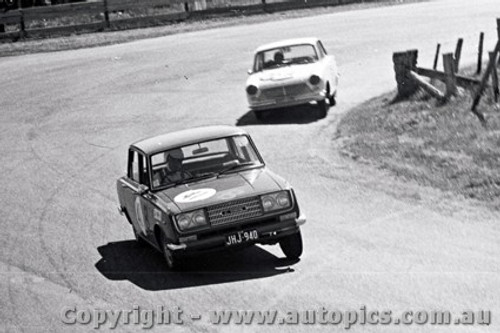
x: 323, y: 108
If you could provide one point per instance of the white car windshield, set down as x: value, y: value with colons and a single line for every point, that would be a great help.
x: 283, y: 56
x: 203, y: 159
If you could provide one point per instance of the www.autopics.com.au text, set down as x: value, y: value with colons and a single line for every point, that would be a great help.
x: 161, y: 315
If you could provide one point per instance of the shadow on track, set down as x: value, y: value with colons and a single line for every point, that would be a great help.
x: 303, y: 114
x: 145, y: 267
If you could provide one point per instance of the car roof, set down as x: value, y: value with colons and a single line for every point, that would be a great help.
x: 286, y: 42
x: 184, y: 137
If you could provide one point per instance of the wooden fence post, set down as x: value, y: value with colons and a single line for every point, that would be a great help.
x: 106, y: 14
x: 22, y: 30
x: 436, y: 57
x: 436, y: 60
x: 491, y: 66
x: 451, y: 80
x: 413, y: 57
x: 404, y: 62
x: 458, y: 53
x: 494, y: 77
x: 480, y: 53
x: 22, y: 26
x: 498, y: 33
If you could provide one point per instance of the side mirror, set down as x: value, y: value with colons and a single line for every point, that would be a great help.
x: 142, y: 189
x: 250, y: 71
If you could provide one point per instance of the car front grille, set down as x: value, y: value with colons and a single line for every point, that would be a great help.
x: 234, y: 211
x: 285, y: 91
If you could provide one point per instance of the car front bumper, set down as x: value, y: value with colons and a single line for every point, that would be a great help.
x: 268, y: 233
x: 286, y: 94
x: 287, y: 101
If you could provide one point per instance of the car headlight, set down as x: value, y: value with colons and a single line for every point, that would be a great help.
x: 314, y: 79
x: 191, y: 220
x: 252, y: 90
x: 276, y: 201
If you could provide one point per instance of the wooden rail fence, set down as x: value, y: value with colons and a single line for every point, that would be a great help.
x: 409, y: 76
x: 96, y: 15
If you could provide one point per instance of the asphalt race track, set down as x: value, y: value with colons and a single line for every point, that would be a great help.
x: 67, y: 119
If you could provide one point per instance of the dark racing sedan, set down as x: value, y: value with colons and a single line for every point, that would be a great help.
x: 205, y: 189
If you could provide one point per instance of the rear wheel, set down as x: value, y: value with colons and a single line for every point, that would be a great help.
x: 170, y: 258
x: 292, y: 245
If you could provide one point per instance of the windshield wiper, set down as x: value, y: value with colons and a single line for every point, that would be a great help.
x: 180, y: 182
x: 234, y: 166
x: 203, y: 176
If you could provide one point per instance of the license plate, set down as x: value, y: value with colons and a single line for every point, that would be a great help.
x: 241, y: 237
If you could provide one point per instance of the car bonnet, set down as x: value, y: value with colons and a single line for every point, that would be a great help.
x: 281, y: 74
x: 225, y: 188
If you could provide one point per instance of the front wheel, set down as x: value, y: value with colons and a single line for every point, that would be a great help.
x: 333, y: 99
x: 170, y: 258
x: 322, y: 108
x: 292, y: 245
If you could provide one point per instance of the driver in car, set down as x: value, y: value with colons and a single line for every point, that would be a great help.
x: 279, y: 58
x: 173, y: 172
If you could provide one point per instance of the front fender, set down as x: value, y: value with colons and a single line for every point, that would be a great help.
x: 166, y: 227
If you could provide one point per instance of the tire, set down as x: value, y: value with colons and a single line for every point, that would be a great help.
x: 322, y: 108
x: 292, y: 245
x: 171, y: 259
x: 140, y: 241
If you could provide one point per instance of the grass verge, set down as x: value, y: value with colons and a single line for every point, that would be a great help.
x: 443, y: 146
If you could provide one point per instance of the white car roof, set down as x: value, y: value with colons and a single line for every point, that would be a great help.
x: 286, y: 42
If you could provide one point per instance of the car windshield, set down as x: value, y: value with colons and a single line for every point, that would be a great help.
x: 205, y: 159
x: 284, y: 56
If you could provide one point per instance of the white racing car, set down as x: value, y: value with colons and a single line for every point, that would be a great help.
x: 292, y: 72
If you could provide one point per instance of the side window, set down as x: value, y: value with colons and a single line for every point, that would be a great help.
x: 138, y: 171
x: 322, y: 48
x: 133, y: 165
x: 244, y: 149
x: 143, y: 167
x: 259, y: 63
